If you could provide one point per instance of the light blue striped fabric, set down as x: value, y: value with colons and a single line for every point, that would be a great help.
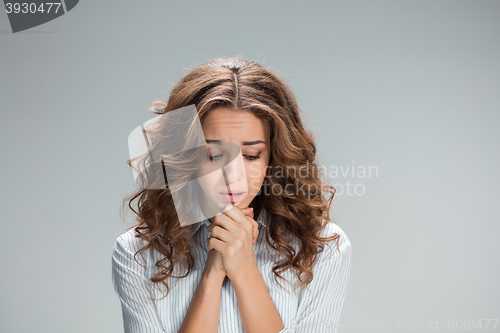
x: 317, y: 309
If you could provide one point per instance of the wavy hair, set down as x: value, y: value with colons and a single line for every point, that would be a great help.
x: 240, y: 84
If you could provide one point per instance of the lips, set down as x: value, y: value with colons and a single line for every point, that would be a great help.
x: 234, y: 195
x: 236, y: 191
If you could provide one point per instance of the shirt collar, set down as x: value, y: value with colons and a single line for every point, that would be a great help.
x: 204, y: 221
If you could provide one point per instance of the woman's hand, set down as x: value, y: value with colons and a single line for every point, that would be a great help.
x: 214, y: 259
x: 233, y: 236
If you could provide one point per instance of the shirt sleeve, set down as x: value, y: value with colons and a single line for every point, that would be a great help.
x: 320, y: 307
x: 132, y: 288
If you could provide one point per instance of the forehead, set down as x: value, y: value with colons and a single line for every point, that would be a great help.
x: 234, y: 126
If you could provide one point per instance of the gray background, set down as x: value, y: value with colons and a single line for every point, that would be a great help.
x: 411, y: 87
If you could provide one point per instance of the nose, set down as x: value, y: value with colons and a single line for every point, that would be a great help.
x: 235, y: 170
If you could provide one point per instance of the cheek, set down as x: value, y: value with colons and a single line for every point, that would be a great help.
x: 203, y: 184
x: 256, y: 172
x: 208, y: 182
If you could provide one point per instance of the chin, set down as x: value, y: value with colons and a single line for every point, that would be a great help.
x: 244, y: 203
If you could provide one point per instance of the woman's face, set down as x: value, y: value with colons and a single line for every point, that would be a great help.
x: 246, y: 172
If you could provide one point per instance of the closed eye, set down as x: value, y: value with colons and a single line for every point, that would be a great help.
x: 214, y: 158
x: 248, y: 157
x: 252, y: 157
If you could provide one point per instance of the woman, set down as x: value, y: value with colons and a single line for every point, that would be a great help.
x: 224, y: 277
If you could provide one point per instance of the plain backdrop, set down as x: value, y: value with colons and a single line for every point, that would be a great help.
x: 410, y: 88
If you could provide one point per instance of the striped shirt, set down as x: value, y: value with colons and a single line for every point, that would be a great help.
x: 314, y: 309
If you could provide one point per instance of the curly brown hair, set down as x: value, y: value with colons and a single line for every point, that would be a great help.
x: 240, y: 84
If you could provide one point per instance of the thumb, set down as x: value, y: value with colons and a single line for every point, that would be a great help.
x: 255, y: 229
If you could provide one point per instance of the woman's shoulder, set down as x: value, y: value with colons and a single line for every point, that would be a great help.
x: 341, y: 244
x: 331, y: 248
x: 130, y: 239
x: 332, y: 228
x: 129, y: 243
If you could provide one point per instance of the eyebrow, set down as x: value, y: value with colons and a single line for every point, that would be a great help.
x: 244, y: 143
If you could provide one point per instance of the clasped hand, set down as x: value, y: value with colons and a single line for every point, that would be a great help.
x: 233, y: 236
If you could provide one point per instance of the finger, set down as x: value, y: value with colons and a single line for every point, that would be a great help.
x: 234, y: 213
x: 247, y: 211
x: 252, y: 222
x: 220, y: 233
x: 255, y: 227
x: 215, y: 244
x: 223, y: 221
